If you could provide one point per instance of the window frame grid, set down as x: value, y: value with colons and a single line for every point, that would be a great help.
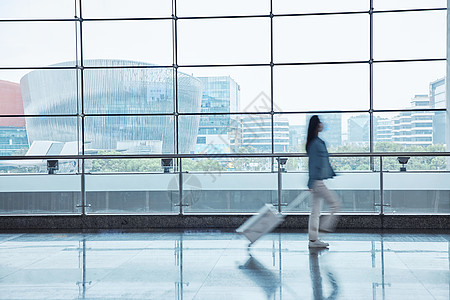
x: 78, y: 19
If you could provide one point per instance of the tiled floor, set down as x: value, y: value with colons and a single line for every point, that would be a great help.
x: 217, y: 265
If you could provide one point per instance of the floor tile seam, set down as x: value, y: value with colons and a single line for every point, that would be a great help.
x: 23, y: 267
x: 415, y: 276
x: 423, y: 285
x: 112, y: 270
x: 213, y: 267
x: 444, y: 238
x: 92, y: 235
x: 11, y: 238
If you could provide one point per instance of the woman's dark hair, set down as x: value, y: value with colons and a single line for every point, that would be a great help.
x: 312, y: 130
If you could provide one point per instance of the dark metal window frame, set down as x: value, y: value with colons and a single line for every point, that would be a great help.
x: 78, y: 20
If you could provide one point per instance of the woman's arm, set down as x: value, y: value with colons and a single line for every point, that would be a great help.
x: 315, y: 160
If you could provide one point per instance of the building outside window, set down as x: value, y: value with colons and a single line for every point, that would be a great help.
x: 81, y: 77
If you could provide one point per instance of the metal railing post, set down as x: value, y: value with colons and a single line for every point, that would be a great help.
x: 280, y: 185
x: 83, y: 188
x: 180, y: 187
x: 381, y: 187
x: 381, y: 204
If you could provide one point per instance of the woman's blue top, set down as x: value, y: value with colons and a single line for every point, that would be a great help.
x: 319, y: 166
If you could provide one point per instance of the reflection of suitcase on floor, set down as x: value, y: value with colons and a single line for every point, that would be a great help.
x: 266, y: 220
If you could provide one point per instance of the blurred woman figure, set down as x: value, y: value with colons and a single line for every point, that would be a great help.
x: 319, y: 169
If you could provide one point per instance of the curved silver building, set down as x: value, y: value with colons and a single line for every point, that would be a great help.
x: 108, y: 93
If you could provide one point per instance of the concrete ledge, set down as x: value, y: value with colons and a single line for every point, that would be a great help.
x: 205, y: 222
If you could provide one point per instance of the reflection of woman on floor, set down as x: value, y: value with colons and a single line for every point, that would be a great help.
x: 316, y: 278
x: 319, y: 169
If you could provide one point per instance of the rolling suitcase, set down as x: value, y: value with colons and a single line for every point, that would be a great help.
x: 266, y: 220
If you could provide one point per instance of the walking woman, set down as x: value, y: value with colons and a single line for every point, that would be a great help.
x: 319, y: 169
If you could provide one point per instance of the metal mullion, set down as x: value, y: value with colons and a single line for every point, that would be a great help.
x: 228, y: 65
x: 227, y: 16
x: 321, y: 112
x: 359, y: 12
x: 371, y: 121
x: 271, y: 101
x: 38, y: 116
x: 409, y: 60
x: 83, y: 167
x: 126, y: 19
x: 225, y: 113
x: 322, y: 63
x: 176, y: 116
x: 223, y: 17
x: 36, y: 20
x: 223, y: 65
x: 238, y: 65
x: 274, y: 64
x: 39, y: 68
x: 409, y: 110
x: 130, y: 67
x: 315, y: 63
x: 322, y: 14
x: 175, y: 66
x: 222, y: 113
x: 77, y: 83
x: 271, y: 56
x: 336, y: 111
x: 447, y: 90
x: 129, y: 115
x: 409, y: 10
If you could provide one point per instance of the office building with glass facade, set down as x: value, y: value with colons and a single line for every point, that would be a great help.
x: 297, y: 136
x: 332, y: 132
x: 414, y: 127
x: 13, y: 135
x: 438, y: 100
x: 383, y: 129
x: 115, y: 96
x: 257, y: 133
x: 220, y: 94
x: 358, y: 129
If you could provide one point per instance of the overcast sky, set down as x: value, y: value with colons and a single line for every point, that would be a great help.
x: 232, y: 41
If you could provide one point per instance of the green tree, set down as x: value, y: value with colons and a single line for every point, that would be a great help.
x: 203, y: 165
x: 124, y: 165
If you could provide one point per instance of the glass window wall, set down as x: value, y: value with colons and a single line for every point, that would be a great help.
x: 209, y: 77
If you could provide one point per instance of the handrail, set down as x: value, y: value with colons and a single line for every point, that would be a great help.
x: 221, y: 155
x: 181, y: 204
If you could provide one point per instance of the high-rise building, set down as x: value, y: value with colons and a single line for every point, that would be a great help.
x: 358, y: 128
x: 297, y: 136
x: 414, y: 127
x: 257, y: 133
x: 383, y: 129
x: 13, y: 135
x: 438, y: 100
x: 220, y: 94
x: 332, y: 132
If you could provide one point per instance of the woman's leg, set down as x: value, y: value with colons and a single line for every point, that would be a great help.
x: 329, y: 223
x: 313, y: 226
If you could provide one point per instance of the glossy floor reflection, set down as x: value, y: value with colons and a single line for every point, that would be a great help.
x: 217, y: 265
